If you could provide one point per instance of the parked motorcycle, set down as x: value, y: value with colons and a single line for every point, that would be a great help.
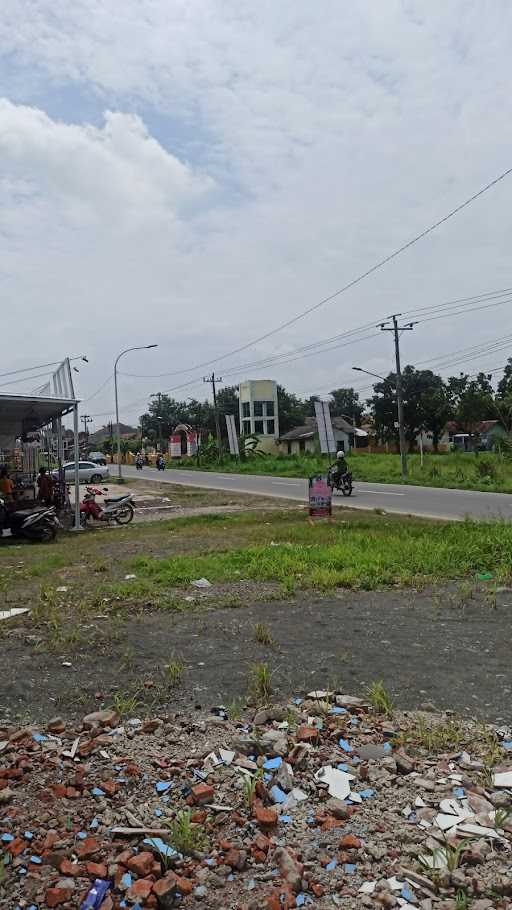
x: 39, y: 524
x: 118, y: 508
x: 343, y: 483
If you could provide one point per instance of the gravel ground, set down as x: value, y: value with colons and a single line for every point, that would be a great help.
x: 426, y: 646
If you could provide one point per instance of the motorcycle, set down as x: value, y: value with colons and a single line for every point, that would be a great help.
x: 343, y: 483
x: 39, y: 524
x: 139, y: 464
x: 160, y: 464
x: 118, y: 508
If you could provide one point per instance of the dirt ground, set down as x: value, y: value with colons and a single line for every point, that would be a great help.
x: 424, y: 648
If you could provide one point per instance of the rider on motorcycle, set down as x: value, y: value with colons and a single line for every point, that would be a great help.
x: 139, y: 461
x: 340, y: 466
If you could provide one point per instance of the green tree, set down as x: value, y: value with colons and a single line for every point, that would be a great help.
x: 292, y: 410
x: 228, y: 403
x: 427, y: 405
x: 346, y: 403
x: 472, y: 401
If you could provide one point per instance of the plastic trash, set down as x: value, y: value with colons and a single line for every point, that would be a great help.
x: 96, y: 895
x: 202, y: 583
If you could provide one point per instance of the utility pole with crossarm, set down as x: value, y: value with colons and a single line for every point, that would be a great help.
x: 395, y: 328
x: 213, y: 379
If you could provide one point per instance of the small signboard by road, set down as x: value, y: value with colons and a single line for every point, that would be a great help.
x: 320, y: 497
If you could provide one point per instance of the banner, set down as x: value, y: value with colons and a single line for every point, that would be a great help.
x: 191, y: 444
x: 320, y: 497
x: 324, y: 425
x: 232, y: 434
x: 175, y: 446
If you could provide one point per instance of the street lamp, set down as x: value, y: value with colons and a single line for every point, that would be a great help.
x: 401, y: 428
x: 368, y: 373
x: 143, y: 347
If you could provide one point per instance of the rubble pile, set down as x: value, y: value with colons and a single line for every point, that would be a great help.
x: 320, y: 802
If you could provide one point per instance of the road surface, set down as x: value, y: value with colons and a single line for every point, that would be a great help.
x: 428, y: 502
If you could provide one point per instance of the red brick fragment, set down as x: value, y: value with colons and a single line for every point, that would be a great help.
x: 166, y: 885
x: 202, y: 793
x: 140, y: 889
x: 70, y: 869
x: 110, y: 787
x: 350, y: 842
x: 141, y: 864
x: 307, y: 734
x: 99, y: 870
x: 57, y: 896
x: 88, y: 848
x: 267, y: 818
x: 184, y: 885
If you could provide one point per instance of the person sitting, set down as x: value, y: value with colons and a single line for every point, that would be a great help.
x: 45, y: 486
x: 6, y: 484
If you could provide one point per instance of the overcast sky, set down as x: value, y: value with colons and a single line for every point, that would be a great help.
x: 192, y: 173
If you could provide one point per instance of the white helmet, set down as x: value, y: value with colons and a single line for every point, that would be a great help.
x: 340, y: 454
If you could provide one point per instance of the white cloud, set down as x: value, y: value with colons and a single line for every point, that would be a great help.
x: 321, y: 135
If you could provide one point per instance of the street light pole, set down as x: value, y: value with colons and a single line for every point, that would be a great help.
x: 143, y: 347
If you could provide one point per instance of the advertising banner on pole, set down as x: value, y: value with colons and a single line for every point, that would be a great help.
x: 320, y: 497
x: 325, y: 431
x: 232, y: 434
x: 175, y: 446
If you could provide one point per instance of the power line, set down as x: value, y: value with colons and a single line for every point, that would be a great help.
x: 374, y: 268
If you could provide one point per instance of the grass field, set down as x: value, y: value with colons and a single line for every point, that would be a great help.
x: 485, y: 471
x: 246, y: 556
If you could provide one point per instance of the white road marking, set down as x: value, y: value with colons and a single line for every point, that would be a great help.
x: 286, y: 483
x: 378, y: 493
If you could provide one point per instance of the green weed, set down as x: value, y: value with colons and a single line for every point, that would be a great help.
x: 234, y: 709
x: 263, y: 635
x: 125, y: 703
x: 185, y: 836
x: 380, y: 699
x: 261, y: 683
x: 446, y: 736
x: 174, y: 672
x: 250, y: 782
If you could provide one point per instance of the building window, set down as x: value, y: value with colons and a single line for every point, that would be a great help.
x: 270, y: 427
x: 258, y: 426
x: 269, y: 408
x: 302, y: 445
x: 258, y: 409
x: 246, y: 409
x: 246, y: 427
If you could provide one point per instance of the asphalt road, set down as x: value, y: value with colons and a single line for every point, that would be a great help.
x: 428, y: 502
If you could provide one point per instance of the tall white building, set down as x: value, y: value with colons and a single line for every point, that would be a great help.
x: 259, y: 411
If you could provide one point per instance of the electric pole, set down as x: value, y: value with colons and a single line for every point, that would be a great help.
x: 212, y: 380
x: 159, y: 418
x: 86, y: 419
x: 395, y: 328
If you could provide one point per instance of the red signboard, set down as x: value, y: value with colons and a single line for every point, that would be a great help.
x: 320, y: 497
x: 175, y: 446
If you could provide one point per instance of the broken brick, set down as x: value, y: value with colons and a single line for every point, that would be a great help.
x: 141, y: 864
x: 57, y: 896
x: 202, y: 793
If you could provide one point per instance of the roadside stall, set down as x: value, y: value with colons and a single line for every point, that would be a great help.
x: 31, y: 437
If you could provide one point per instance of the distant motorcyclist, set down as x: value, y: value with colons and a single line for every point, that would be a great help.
x: 340, y: 466
x: 139, y: 461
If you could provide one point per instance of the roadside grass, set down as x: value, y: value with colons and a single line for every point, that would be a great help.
x: 467, y: 471
x: 247, y: 557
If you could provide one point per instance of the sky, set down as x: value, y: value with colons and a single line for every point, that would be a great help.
x: 194, y: 174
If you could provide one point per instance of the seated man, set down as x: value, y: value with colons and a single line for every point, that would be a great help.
x: 6, y: 484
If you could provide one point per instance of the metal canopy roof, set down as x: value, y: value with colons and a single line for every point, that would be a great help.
x: 17, y: 411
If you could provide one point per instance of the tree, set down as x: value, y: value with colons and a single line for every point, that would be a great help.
x: 472, y: 401
x: 292, y: 410
x: 426, y: 405
x: 228, y: 403
x: 505, y: 384
x: 345, y: 403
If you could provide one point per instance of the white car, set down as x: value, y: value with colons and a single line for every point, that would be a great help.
x: 88, y: 472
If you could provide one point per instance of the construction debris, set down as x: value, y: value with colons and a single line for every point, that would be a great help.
x: 323, y: 809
